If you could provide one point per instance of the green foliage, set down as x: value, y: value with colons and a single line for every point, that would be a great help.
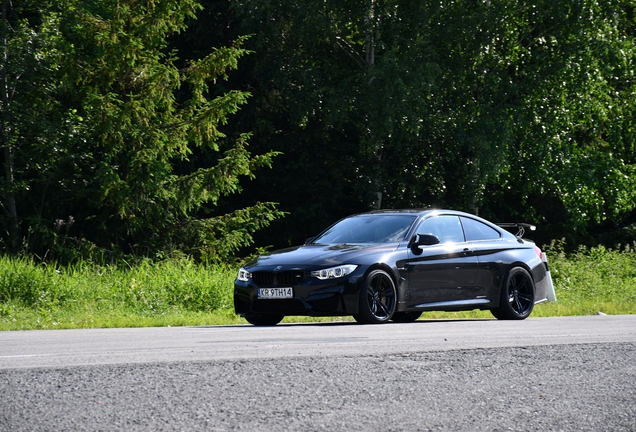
x: 34, y: 124
x: 166, y: 287
x: 123, y: 131
x: 218, y: 239
x: 135, y: 150
x: 141, y: 130
x: 574, y: 78
x: 596, y: 275
x: 510, y: 109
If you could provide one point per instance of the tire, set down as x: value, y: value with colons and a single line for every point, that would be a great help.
x: 263, y: 320
x: 378, y: 298
x: 406, y: 317
x: 517, y: 296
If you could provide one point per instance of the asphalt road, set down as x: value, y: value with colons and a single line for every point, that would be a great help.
x: 575, y: 373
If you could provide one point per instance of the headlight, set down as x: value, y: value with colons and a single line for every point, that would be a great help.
x: 334, y: 272
x: 244, y: 275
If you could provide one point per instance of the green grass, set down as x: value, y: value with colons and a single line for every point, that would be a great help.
x: 593, y: 280
x: 176, y: 292
x: 181, y: 292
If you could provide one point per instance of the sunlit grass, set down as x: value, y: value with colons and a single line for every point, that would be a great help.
x: 184, y: 293
x: 177, y: 292
x: 593, y: 280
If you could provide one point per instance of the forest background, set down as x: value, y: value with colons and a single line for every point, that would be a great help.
x: 214, y: 128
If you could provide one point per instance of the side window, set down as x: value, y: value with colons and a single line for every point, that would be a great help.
x: 446, y: 227
x: 476, y: 230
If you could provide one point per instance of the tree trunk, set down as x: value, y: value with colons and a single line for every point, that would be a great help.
x: 373, y: 140
x: 9, y: 195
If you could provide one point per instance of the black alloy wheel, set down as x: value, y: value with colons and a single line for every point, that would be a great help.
x: 517, y: 296
x: 377, y: 298
x: 263, y: 320
x: 406, y: 317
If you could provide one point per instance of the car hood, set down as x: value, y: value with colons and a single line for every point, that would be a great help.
x: 318, y: 256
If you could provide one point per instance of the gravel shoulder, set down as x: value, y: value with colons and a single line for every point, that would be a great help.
x: 588, y: 387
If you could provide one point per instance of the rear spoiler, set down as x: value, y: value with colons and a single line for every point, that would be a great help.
x: 521, y: 227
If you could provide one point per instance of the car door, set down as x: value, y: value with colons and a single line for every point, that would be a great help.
x: 443, y: 272
x: 487, y: 246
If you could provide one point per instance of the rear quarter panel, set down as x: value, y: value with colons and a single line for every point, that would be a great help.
x: 498, y: 257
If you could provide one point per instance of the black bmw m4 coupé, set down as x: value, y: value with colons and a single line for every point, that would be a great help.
x: 392, y: 265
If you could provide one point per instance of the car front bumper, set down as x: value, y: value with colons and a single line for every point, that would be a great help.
x: 311, y: 297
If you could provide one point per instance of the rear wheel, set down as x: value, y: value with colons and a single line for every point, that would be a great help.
x: 263, y: 320
x: 406, y: 317
x: 517, y: 296
x: 377, y: 298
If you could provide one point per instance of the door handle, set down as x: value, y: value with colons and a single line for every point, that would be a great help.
x: 467, y: 251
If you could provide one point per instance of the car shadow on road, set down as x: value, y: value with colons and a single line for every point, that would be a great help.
x: 351, y: 323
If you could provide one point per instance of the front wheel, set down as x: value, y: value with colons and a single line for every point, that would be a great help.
x: 263, y: 320
x: 378, y: 298
x: 517, y: 296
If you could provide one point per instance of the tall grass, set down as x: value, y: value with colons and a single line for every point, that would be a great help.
x: 86, y: 295
x: 182, y: 292
x: 593, y: 280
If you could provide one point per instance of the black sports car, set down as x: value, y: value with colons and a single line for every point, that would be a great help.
x: 393, y: 265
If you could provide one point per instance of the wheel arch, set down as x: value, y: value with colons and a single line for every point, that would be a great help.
x: 525, y: 266
x: 367, y: 315
x: 351, y: 297
x: 504, y: 273
x: 392, y: 272
x: 520, y: 300
x: 383, y: 266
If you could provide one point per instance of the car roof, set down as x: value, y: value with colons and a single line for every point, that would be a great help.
x: 419, y: 212
x: 423, y: 212
x: 398, y: 211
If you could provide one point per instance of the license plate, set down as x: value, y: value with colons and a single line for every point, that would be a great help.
x: 275, y: 293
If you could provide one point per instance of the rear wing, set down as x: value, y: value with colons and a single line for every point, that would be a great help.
x: 521, y: 227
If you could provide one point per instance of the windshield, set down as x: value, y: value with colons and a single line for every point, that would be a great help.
x: 371, y: 228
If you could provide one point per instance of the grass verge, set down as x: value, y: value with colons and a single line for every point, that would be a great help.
x: 183, y: 293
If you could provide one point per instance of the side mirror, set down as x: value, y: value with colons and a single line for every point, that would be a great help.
x: 424, y: 240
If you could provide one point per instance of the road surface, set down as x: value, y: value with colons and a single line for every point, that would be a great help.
x: 571, y: 373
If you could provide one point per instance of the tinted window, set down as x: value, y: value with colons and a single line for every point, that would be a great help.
x: 374, y: 228
x: 446, y: 227
x: 476, y: 230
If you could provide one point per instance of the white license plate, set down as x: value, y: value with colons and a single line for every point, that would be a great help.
x: 275, y: 293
